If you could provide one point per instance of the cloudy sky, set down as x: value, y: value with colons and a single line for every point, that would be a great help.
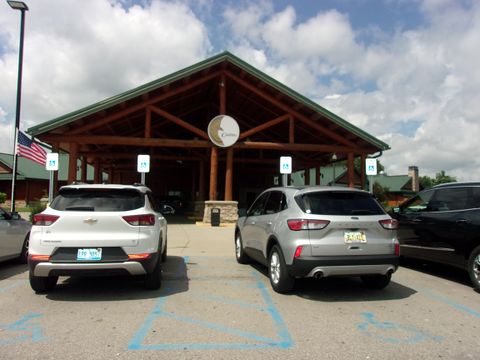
x: 406, y: 71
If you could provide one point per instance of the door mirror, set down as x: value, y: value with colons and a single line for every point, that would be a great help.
x: 15, y: 216
x: 242, y: 212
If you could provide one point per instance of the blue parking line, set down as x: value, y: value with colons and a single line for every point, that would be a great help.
x: 22, y: 330
x: 281, y: 340
x: 450, y: 302
x: 9, y: 287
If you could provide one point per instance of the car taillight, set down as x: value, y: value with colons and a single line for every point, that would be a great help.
x: 39, y: 257
x: 140, y: 220
x: 389, y: 224
x: 303, y: 224
x: 44, y: 219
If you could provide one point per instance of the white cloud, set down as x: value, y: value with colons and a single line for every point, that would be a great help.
x: 93, y: 50
x: 427, y: 77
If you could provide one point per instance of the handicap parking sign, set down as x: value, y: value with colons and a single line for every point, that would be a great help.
x: 52, y: 162
x: 371, y: 166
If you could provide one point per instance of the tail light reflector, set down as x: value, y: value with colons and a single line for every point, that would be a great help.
x: 140, y: 220
x: 389, y: 224
x: 139, y: 256
x: 298, y: 251
x: 39, y: 257
x: 397, y: 248
x: 44, y: 219
x: 304, y: 224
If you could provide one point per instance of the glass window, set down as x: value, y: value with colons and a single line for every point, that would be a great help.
x: 417, y: 203
x: 274, y: 203
x: 98, y: 200
x: 258, y: 206
x: 449, y: 199
x: 339, y: 203
x: 475, y: 198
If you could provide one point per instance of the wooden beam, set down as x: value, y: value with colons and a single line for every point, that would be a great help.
x: 148, y: 123
x: 84, y: 169
x: 179, y: 122
x: 362, y: 171
x: 291, y: 131
x: 288, y: 109
x: 135, y: 108
x: 97, y: 172
x: 292, y: 147
x: 201, y: 181
x: 264, y: 126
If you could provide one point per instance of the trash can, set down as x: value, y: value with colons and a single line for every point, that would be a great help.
x: 215, y: 217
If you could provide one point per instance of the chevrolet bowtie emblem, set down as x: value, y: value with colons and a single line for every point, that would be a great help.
x: 90, y: 221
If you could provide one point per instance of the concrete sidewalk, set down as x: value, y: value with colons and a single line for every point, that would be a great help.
x: 193, y: 239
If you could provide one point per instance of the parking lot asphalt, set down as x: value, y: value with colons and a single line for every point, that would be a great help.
x: 210, y: 307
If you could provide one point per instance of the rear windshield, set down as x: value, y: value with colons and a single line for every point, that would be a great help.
x: 98, y: 200
x: 339, y: 203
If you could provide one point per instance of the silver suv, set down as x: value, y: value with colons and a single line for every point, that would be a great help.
x: 98, y: 229
x: 318, y: 232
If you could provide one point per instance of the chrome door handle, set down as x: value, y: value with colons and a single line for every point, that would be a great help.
x: 269, y: 223
x: 252, y: 222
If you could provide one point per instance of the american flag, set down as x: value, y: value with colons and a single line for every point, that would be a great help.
x: 29, y: 149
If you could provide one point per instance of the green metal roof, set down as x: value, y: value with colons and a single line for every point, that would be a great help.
x: 27, y: 169
x: 224, y: 56
x: 395, y: 183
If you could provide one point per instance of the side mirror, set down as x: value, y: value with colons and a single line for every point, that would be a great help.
x: 15, y: 216
x: 242, y: 212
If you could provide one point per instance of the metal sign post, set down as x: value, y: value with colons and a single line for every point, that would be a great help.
x: 285, y: 168
x: 143, y: 166
x: 51, y: 165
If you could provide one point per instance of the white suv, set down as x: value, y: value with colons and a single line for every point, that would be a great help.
x: 98, y: 229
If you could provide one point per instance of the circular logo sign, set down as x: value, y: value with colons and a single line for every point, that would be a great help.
x: 223, y: 131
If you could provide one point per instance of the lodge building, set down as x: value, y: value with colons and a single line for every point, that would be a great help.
x: 168, y: 120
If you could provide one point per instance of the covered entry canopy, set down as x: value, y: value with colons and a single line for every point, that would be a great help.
x: 168, y: 119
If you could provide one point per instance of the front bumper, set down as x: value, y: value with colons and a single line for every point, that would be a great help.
x: 343, y: 265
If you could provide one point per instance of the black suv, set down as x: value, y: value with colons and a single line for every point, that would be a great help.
x: 442, y: 224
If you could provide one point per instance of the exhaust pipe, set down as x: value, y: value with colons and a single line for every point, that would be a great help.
x: 318, y: 274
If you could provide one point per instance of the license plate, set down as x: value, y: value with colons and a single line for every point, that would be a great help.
x: 89, y: 254
x: 355, y: 237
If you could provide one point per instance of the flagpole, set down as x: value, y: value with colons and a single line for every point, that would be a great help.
x: 22, y: 9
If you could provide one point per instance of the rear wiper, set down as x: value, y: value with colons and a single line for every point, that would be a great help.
x: 80, y: 208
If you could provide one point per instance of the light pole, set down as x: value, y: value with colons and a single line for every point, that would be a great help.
x: 17, y: 5
x: 334, y: 158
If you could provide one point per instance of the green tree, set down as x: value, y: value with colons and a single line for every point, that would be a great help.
x: 380, y: 192
x: 440, y: 178
x: 3, y: 197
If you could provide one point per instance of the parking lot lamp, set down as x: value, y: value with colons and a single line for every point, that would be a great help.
x: 17, y: 5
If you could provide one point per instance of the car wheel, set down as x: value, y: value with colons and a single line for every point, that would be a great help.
x: 242, y: 258
x: 474, y: 267
x: 164, y: 252
x: 280, y: 279
x: 42, y: 284
x: 24, y: 254
x: 376, y: 281
x: 153, y: 281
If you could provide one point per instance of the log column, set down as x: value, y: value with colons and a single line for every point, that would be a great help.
x: 72, y: 163
x: 351, y: 170
x: 362, y: 170
x: 84, y: 169
x: 213, y: 173
x: 97, y: 172
x: 229, y: 175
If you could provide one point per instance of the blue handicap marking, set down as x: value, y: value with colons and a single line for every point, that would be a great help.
x: 25, y: 329
x: 241, y: 339
x: 393, y: 333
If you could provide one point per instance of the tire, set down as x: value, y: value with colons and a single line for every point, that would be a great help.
x: 376, y: 281
x: 242, y: 257
x: 281, y: 281
x: 42, y: 284
x: 153, y: 281
x: 474, y: 267
x: 24, y: 254
x: 164, y: 253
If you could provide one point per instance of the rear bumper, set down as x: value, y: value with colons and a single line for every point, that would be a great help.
x: 54, y: 268
x: 343, y: 265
